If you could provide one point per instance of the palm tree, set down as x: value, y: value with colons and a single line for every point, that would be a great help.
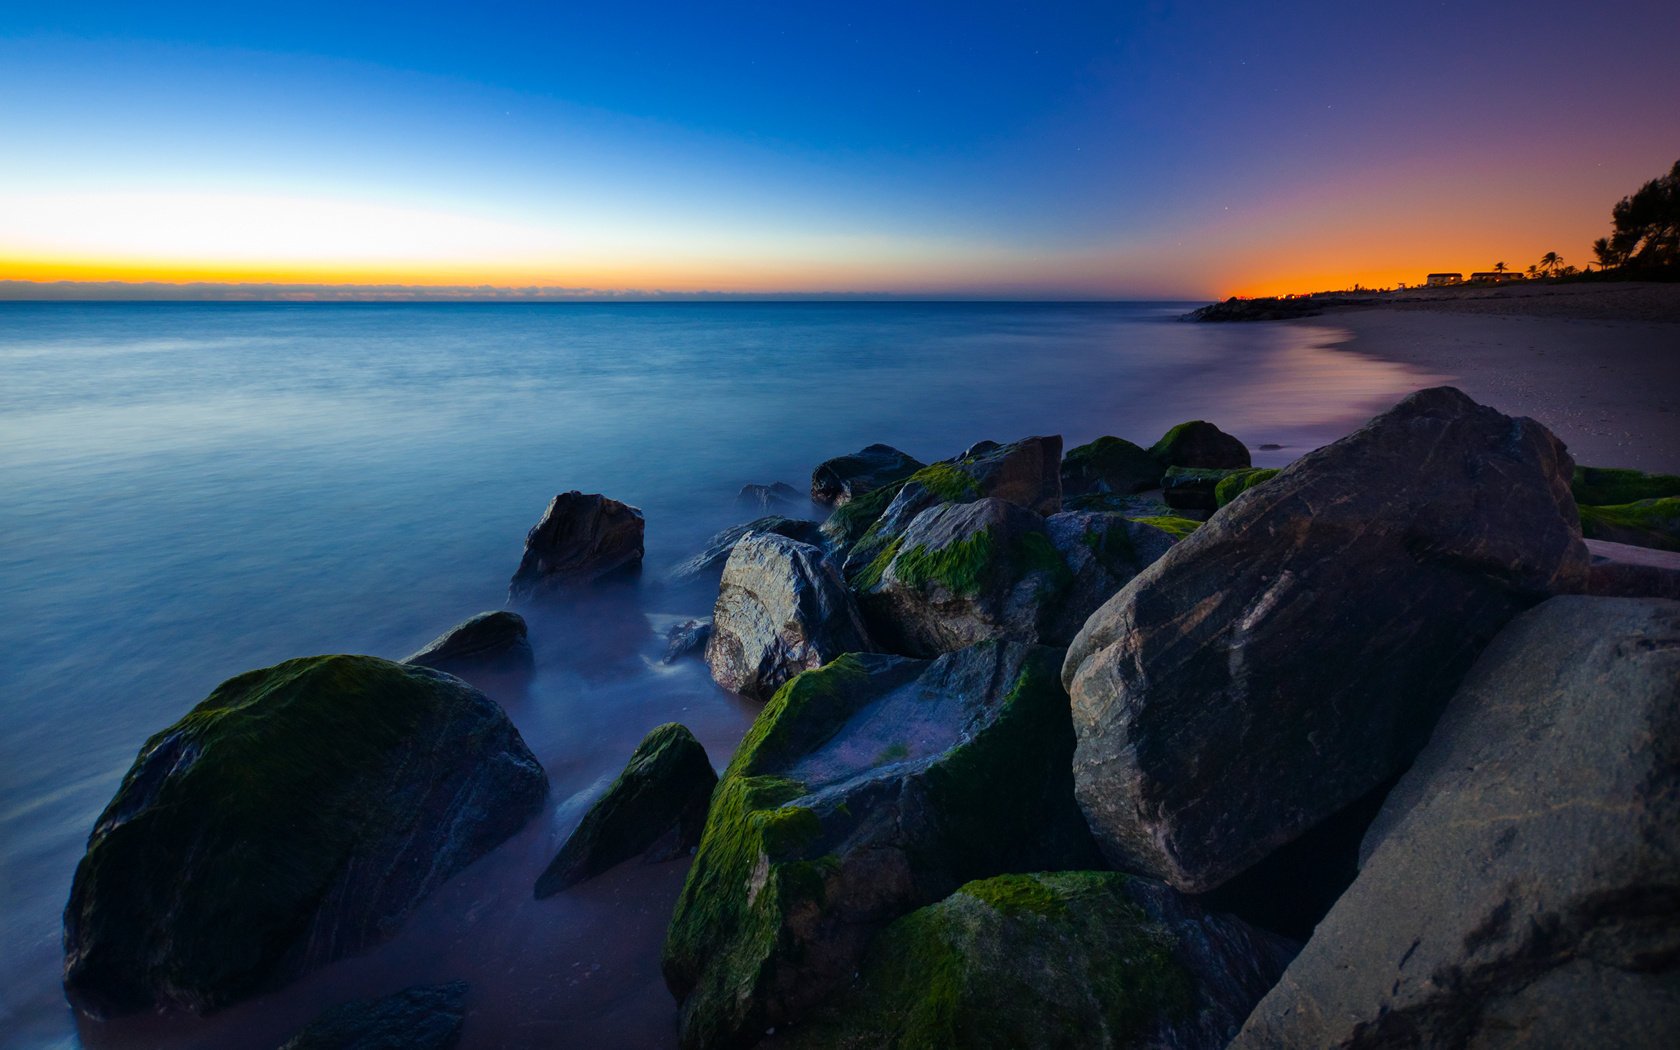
x: 1550, y: 262
x: 1499, y: 267
x: 1532, y: 272
x: 1606, y: 254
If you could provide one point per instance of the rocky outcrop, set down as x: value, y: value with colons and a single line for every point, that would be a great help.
x: 1192, y: 488
x: 865, y: 790
x: 960, y: 574
x: 292, y: 818
x: 1200, y: 444
x: 1293, y: 652
x: 1267, y: 308
x: 421, y: 1018
x: 782, y: 608
x: 580, y: 539
x: 1618, y: 570
x: 490, y: 641
x: 1109, y: 465
x: 687, y: 637
x: 842, y: 479
x: 709, y: 562
x: 1102, y: 552
x: 654, y: 809
x: 1522, y: 883
x: 1048, y: 961
x: 1643, y: 523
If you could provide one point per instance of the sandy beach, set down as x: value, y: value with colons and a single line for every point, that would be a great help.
x: 1592, y: 362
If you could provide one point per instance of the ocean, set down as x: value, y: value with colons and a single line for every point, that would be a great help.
x: 188, y: 491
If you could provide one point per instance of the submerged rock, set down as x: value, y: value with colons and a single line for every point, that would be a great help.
x: 292, y: 818
x: 782, y: 608
x: 766, y: 498
x: 490, y: 641
x: 1200, y: 444
x: 709, y: 562
x: 687, y: 637
x: 1292, y: 653
x: 1643, y: 523
x: 1520, y: 884
x: 420, y: 1018
x: 865, y: 790
x: 580, y: 539
x: 1054, y: 960
x: 842, y: 479
x: 655, y: 808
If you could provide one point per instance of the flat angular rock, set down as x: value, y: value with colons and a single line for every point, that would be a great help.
x: 709, y: 562
x: 842, y: 479
x: 1293, y: 653
x: 782, y: 608
x: 292, y: 818
x: 490, y: 641
x: 1200, y: 444
x: 1520, y: 886
x: 1619, y: 570
x: 1109, y: 465
x: 1054, y: 960
x: 580, y: 539
x: 654, y: 809
x: 865, y: 790
x: 420, y: 1018
x: 963, y: 573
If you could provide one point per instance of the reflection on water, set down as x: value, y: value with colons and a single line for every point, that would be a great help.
x: 188, y: 491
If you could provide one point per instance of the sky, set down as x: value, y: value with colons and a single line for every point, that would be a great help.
x: 1010, y: 150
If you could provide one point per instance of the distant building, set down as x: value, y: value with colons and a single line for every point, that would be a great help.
x: 1441, y: 280
x: 1495, y: 277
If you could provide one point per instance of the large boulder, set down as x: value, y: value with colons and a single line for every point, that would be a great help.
x: 782, y: 608
x: 842, y: 479
x: 709, y: 562
x: 1200, y: 444
x: 490, y: 641
x: 292, y: 818
x: 1293, y: 653
x: 1521, y: 885
x: 1102, y: 552
x: 419, y: 1018
x: 654, y: 809
x: 580, y: 539
x: 1109, y: 465
x: 1054, y: 960
x: 865, y: 790
x: 963, y: 573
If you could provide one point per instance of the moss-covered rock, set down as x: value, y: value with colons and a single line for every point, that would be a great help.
x: 866, y: 789
x: 1200, y: 444
x: 1238, y: 482
x: 843, y: 479
x: 1102, y: 552
x: 1174, y: 526
x: 655, y: 808
x: 292, y: 818
x: 1643, y: 523
x: 1608, y: 486
x: 1066, y: 959
x: 420, y: 1018
x: 1109, y: 465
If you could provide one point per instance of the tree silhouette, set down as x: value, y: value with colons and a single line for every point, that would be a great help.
x: 1550, y: 262
x: 1499, y: 267
x: 1605, y: 254
x: 1646, y: 226
x: 1532, y: 272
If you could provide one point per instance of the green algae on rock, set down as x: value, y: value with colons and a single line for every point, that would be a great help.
x: 655, y: 808
x: 1642, y: 523
x: 1238, y: 482
x: 1608, y: 486
x: 1109, y: 465
x: 1200, y: 444
x: 1192, y: 488
x: 292, y: 818
x: 843, y: 479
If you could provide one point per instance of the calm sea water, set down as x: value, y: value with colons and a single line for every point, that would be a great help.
x: 188, y: 491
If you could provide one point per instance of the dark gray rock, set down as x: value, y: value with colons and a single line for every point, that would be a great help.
x: 866, y: 789
x: 580, y: 539
x: 1192, y: 488
x: 654, y: 809
x: 421, y: 1018
x: 782, y: 608
x: 1522, y: 883
x: 776, y: 496
x: 1293, y: 652
x: 490, y: 641
x: 1103, y: 552
x: 1200, y: 444
x: 292, y: 818
x: 1109, y: 465
x: 687, y: 637
x: 842, y: 479
x: 1050, y: 961
x: 709, y: 562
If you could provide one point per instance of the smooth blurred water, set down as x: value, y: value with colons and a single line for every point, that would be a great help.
x: 188, y: 491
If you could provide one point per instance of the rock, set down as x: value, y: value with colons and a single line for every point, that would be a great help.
x: 1103, y: 552
x: 1200, y: 444
x: 420, y: 1018
x: 687, y: 637
x: 580, y: 539
x: 766, y: 498
x: 292, y: 818
x: 1292, y: 653
x: 1520, y: 884
x: 1238, y: 482
x: 1643, y: 523
x: 963, y: 573
x: 654, y: 809
x: 1268, y: 308
x: 865, y: 790
x: 1142, y: 505
x: 709, y: 562
x: 1109, y: 464
x: 840, y: 480
x: 490, y: 641
x: 1192, y: 488
x: 1054, y: 960
x: 782, y: 608
x: 1622, y: 571
x: 1608, y: 486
